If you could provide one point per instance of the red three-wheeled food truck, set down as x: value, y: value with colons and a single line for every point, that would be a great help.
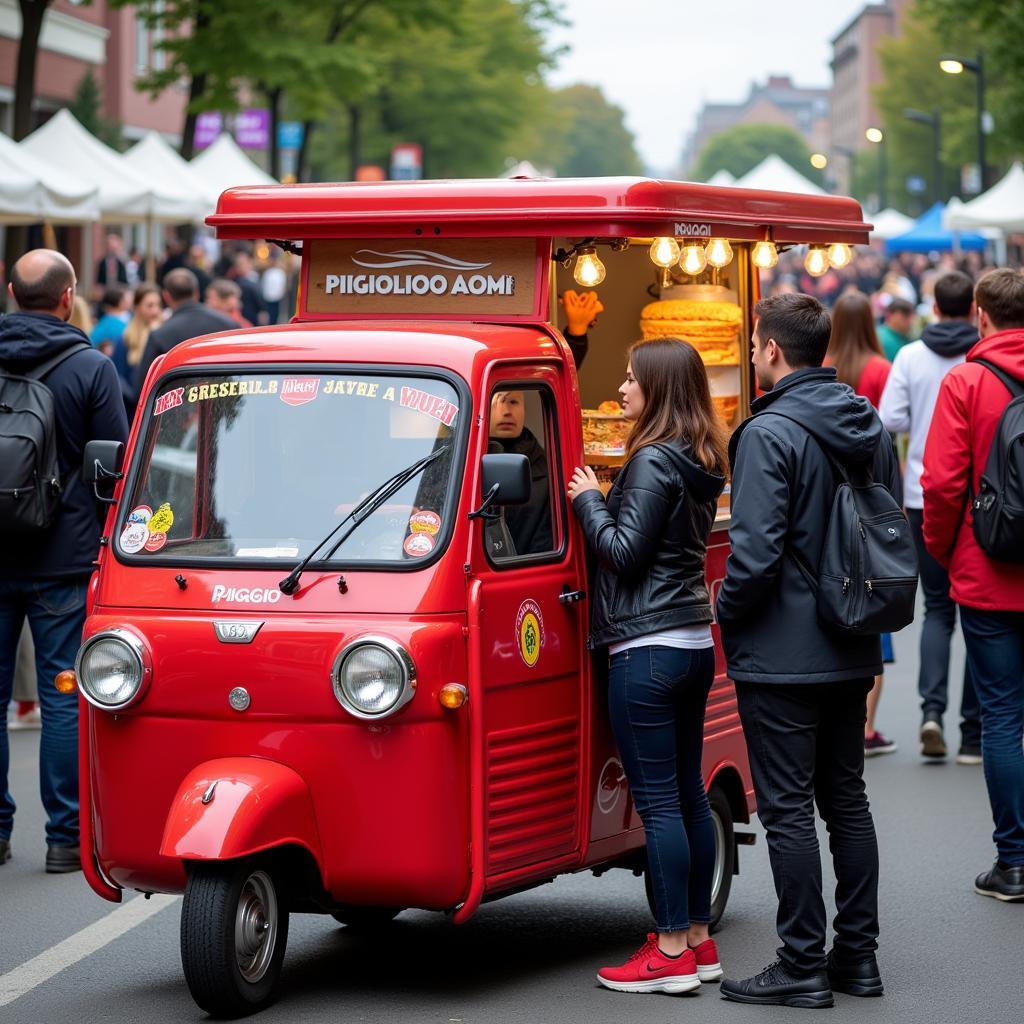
x: 330, y: 664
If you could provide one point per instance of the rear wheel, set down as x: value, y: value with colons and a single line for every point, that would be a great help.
x: 725, y: 858
x: 366, y: 919
x: 234, y: 929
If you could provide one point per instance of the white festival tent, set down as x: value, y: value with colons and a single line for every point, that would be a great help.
x: 184, y: 194
x: 890, y: 223
x: 775, y: 175
x: 722, y: 177
x: 33, y: 190
x: 1002, y: 206
x: 223, y: 165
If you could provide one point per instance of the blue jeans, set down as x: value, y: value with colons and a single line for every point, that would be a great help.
x: 657, y: 697
x: 995, y: 651
x: 56, y: 614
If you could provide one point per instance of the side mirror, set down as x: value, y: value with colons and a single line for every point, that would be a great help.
x: 101, y: 463
x: 504, y: 480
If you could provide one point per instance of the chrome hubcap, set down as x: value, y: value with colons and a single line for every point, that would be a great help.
x: 716, y: 881
x: 256, y: 922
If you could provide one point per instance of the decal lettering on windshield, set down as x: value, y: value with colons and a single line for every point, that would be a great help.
x: 169, y: 401
x: 430, y: 405
x: 299, y: 390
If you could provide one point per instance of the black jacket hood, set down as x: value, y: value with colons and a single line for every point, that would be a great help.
x: 950, y: 337
x: 837, y: 417
x: 702, y: 485
x: 30, y: 338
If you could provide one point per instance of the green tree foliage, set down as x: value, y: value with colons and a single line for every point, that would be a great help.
x: 744, y: 146
x: 87, y: 105
x: 460, y: 88
x: 994, y: 28
x: 912, y: 79
x: 581, y: 134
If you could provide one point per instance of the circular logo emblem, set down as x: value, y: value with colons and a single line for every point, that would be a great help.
x: 134, y: 537
x: 425, y: 522
x: 610, y: 785
x: 530, y: 632
x: 156, y: 541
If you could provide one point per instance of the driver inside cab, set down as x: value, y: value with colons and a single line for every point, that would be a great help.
x: 529, y: 525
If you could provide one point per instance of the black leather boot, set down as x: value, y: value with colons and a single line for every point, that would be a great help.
x: 775, y: 985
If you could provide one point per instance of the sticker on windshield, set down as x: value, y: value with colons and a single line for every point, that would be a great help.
x: 155, y: 541
x: 134, y: 537
x: 162, y: 519
x: 299, y: 390
x: 529, y: 632
x: 171, y: 400
x: 428, y: 404
x: 418, y: 544
x: 140, y: 514
x: 425, y: 522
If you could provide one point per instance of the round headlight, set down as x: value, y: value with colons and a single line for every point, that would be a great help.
x: 373, y: 677
x: 111, y: 668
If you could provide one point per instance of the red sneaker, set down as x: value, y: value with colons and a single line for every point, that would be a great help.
x: 708, y: 966
x: 649, y: 970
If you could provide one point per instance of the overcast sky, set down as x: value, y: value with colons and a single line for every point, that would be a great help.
x: 660, y: 60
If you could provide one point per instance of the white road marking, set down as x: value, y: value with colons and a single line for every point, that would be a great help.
x: 14, y: 984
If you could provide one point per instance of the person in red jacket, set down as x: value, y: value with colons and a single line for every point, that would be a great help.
x: 990, y: 593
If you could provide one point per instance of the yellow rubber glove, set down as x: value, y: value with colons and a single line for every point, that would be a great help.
x: 581, y: 310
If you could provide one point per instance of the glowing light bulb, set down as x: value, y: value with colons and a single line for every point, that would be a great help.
x: 874, y: 135
x: 840, y: 255
x: 816, y: 260
x: 589, y: 270
x: 719, y: 252
x: 765, y: 255
x: 693, y: 259
x: 664, y: 252
x: 951, y: 67
x: 819, y: 161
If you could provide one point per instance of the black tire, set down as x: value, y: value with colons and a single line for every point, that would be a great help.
x: 366, y: 919
x: 225, y: 902
x: 725, y: 858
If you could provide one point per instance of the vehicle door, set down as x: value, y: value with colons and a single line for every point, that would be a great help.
x: 528, y: 611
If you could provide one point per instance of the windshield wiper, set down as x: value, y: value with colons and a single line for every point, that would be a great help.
x: 363, y: 510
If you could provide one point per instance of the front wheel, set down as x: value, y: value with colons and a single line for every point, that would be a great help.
x: 234, y: 929
x: 725, y: 858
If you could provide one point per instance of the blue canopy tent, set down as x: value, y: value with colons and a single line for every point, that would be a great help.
x: 928, y: 235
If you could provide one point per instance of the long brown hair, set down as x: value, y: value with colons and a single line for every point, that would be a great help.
x: 136, y: 334
x: 854, y: 339
x: 677, y: 402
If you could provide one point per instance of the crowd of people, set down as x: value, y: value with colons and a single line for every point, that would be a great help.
x: 831, y: 400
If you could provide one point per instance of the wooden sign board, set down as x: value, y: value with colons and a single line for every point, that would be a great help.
x: 490, y: 277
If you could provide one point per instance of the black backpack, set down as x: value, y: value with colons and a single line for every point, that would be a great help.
x: 866, y: 581
x: 998, y: 507
x: 29, y: 478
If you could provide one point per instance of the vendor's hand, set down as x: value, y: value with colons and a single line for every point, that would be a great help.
x: 581, y: 310
x: 583, y: 479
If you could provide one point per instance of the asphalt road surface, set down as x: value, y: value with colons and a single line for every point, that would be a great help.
x: 946, y: 954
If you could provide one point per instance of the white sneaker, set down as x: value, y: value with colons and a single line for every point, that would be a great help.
x: 30, y: 719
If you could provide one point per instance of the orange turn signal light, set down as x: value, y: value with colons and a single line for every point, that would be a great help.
x: 453, y: 695
x: 65, y: 681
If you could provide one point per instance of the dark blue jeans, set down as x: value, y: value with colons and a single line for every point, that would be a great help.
x: 939, y: 623
x: 806, y: 744
x: 56, y: 613
x: 657, y: 697
x: 995, y: 650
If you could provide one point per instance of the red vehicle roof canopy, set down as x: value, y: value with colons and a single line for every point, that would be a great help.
x: 537, y: 207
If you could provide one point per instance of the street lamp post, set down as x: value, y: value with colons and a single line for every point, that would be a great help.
x: 876, y: 136
x: 957, y: 66
x: 935, y: 120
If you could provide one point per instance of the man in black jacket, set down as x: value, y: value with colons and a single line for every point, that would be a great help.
x: 45, y: 579
x: 188, y: 320
x: 802, y: 687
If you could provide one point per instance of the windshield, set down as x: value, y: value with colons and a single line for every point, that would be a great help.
x: 254, y: 467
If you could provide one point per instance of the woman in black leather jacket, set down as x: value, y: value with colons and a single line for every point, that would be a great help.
x: 652, y: 611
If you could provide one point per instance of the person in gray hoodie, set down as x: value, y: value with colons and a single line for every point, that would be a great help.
x: 802, y: 687
x: 907, y: 404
